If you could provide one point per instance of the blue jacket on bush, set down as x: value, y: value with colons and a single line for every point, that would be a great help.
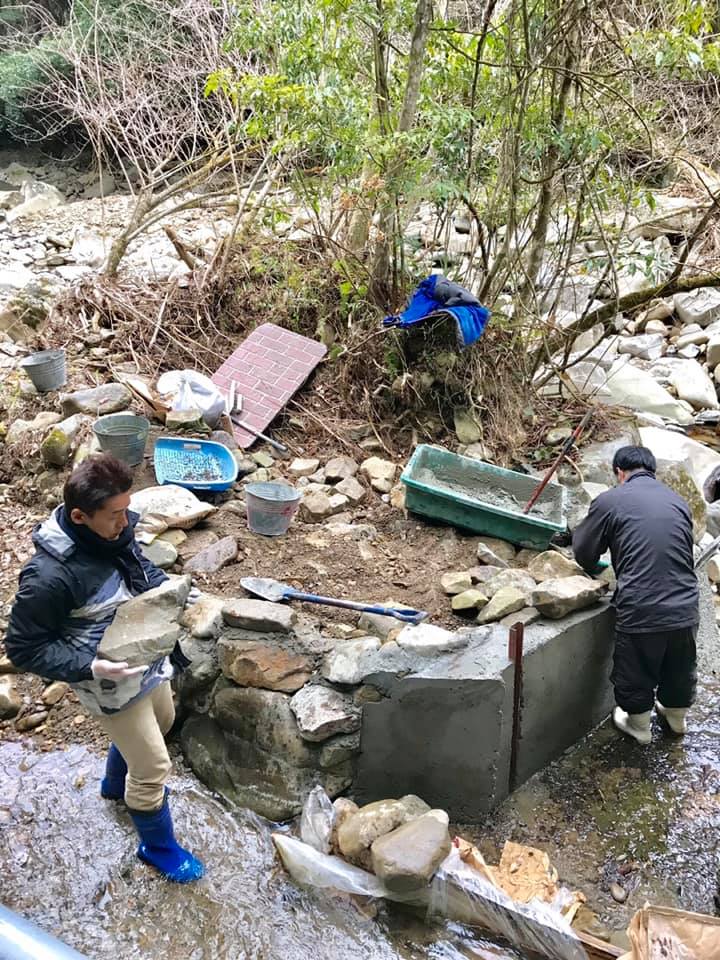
x: 68, y: 594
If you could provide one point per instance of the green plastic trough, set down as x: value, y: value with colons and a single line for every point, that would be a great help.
x: 481, y: 497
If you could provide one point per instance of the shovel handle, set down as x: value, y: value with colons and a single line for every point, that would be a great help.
x: 406, y: 614
x: 261, y: 436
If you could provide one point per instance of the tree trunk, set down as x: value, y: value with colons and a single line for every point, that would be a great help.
x: 380, y: 272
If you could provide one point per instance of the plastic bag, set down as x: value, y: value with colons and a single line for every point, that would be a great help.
x: 190, y: 390
x: 316, y: 822
x: 311, y: 868
x: 460, y: 893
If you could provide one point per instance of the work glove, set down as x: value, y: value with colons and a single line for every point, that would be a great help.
x: 109, y: 670
x: 193, y: 597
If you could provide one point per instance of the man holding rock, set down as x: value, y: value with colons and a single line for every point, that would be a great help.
x: 87, y: 565
x: 648, y: 529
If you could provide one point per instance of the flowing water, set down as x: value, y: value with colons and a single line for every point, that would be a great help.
x: 67, y: 863
x: 608, y: 811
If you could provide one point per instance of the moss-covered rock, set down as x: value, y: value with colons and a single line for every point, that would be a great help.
x: 676, y: 476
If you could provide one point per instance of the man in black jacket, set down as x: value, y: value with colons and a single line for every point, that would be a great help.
x: 87, y: 562
x: 648, y: 530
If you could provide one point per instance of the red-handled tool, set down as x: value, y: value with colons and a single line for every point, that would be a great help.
x: 565, y: 448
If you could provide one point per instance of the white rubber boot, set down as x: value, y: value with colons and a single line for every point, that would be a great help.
x: 635, y: 725
x: 674, y: 717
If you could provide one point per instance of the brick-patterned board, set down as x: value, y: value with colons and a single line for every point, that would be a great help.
x: 268, y: 367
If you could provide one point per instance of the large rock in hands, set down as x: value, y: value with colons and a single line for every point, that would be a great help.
x: 146, y: 628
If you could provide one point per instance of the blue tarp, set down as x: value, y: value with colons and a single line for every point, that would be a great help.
x: 436, y: 296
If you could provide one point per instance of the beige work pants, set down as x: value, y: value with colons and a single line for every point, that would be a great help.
x: 138, y: 732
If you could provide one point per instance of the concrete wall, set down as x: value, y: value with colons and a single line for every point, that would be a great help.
x: 444, y: 731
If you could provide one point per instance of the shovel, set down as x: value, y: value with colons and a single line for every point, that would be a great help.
x: 274, y: 591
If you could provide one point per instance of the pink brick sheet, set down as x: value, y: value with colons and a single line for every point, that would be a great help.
x: 268, y: 367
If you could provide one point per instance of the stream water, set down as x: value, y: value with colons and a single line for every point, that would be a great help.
x: 607, y: 811
x: 67, y: 863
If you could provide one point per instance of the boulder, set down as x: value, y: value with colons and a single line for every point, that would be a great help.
x: 526, y: 616
x: 54, y: 693
x: 690, y: 382
x: 57, y: 445
x: 552, y: 565
x: 250, y: 750
x: 698, y: 459
x: 38, y: 198
x: 347, y: 662
x: 10, y: 699
x: 595, y: 460
x: 490, y: 550
x: 340, y: 468
x: 303, y: 468
x: 338, y: 750
x: 252, y: 663
x: 407, y: 858
x: 656, y: 326
x: 558, y: 435
x: 482, y: 574
x: 457, y: 581
x: 352, y: 489
x: 467, y: 428
x: 469, y: 600
x: 712, y: 354
x: 322, y: 712
x: 146, y: 628
x: 381, y: 473
x: 213, y: 558
x: 195, y: 542
x: 507, y: 600
x: 629, y: 386
x: 318, y: 506
x: 259, y: 615
x: 263, y: 459
x: 97, y: 401
x: 428, y: 640
x: 89, y: 247
x: 15, y: 278
x: 19, y: 429
x: 646, y: 346
x: 204, y: 619
x: 378, y: 624
x: 700, y: 306
x: 557, y: 598
x: 677, y: 477
x: 361, y: 829
x: 161, y: 553
x: 520, y: 579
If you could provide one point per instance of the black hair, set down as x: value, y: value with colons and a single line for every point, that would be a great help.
x: 95, y: 481
x: 634, y: 458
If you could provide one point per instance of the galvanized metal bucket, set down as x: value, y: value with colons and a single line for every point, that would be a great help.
x: 271, y: 507
x: 46, y: 369
x: 124, y: 435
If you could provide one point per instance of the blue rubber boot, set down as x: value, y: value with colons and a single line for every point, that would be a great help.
x: 112, y: 785
x: 160, y: 849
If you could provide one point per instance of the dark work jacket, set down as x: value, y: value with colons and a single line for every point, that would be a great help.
x: 66, y: 600
x: 647, y: 528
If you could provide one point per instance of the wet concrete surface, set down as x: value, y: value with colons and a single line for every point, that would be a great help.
x: 68, y: 864
x: 610, y: 811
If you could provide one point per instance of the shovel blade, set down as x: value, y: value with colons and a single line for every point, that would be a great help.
x: 265, y: 588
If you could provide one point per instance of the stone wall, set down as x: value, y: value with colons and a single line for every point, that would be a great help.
x: 271, y: 712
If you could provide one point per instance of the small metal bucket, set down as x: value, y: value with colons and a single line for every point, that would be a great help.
x: 124, y: 435
x: 46, y: 369
x: 271, y: 507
